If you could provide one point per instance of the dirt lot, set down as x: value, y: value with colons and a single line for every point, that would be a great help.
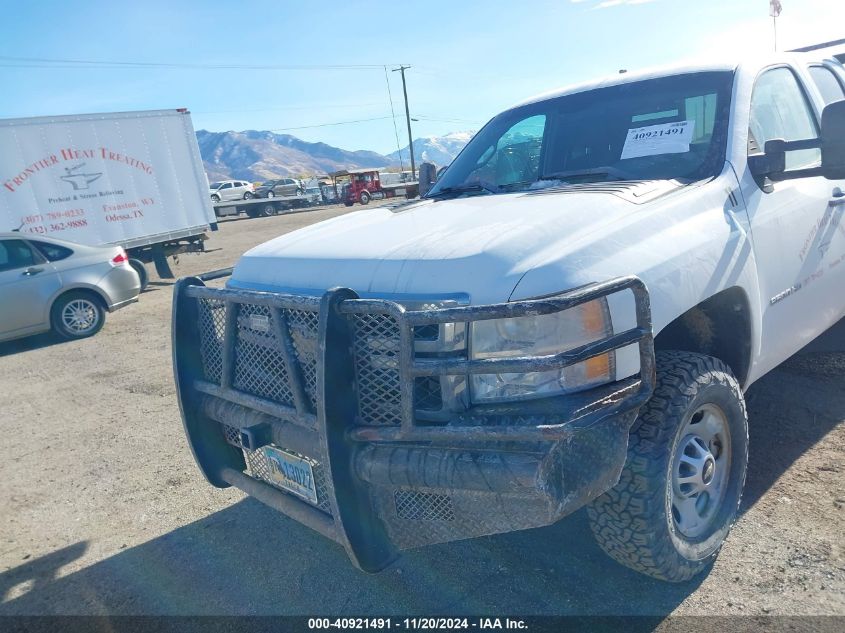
x: 104, y: 512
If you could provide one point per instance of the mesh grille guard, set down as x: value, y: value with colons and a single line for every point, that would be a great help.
x: 333, y: 378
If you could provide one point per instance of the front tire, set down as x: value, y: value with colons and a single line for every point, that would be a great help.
x: 365, y: 198
x: 77, y: 314
x: 679, y: 492
x: 271, y: 194
x: 248, y: 195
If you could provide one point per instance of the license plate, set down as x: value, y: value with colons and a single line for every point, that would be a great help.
x: 292, y: 473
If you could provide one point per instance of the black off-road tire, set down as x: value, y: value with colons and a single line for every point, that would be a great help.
x: 633, y: 522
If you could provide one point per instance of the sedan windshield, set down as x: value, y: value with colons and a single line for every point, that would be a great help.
x: 666, y: 128
x: 215, y: 185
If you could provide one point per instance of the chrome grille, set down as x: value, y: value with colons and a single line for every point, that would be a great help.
x: 376, y: 350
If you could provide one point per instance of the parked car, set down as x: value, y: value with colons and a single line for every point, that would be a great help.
x: 52, y: 284
x: 280, y: 187
x: 314, y: 196
x: 230, y: 190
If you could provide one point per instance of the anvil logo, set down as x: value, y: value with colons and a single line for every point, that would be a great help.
x: 78, y: 180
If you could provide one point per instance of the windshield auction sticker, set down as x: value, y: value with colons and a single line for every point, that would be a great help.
x: 666, y: 138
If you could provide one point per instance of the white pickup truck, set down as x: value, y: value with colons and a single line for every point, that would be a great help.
x: 570, y: 317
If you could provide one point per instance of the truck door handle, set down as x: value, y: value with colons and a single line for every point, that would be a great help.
x: 30, y: 272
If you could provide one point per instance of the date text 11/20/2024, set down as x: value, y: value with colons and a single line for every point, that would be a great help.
x: 419, y: 623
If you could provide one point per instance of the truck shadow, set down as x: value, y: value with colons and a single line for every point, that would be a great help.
x: 792, y: 408
x: 248, y: 559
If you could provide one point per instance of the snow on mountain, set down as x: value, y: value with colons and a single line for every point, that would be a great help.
x: 440, y: 150
x: 255, y: 155
x: 261, y: 155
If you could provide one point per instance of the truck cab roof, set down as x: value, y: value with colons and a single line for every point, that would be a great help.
x: 745, y: 65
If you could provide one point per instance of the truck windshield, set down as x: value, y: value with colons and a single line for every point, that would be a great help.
x: 671, y: 127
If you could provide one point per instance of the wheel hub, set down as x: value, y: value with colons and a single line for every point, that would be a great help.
x: 709, y: 469
x: 700, y: 471
x: 79, y: 316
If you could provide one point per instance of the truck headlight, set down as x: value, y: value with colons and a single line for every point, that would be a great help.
x: 541, y: 336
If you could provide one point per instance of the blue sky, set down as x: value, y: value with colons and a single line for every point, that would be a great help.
x: 469, y: 59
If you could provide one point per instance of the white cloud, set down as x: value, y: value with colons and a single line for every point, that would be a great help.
x: 813, y: 22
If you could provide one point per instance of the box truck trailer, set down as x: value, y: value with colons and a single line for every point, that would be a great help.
x: 133, y: 179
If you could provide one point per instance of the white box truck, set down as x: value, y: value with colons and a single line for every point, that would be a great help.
x: 133, y: 179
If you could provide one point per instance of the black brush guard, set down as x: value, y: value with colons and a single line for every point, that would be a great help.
x: 399, y: 483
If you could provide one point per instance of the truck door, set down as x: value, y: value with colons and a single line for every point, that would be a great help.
x: 797, y: 227
x: 27, y: 282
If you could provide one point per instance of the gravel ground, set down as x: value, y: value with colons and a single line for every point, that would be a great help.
x: 104, y: 512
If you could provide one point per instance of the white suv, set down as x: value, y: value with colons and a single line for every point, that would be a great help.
x: 230, y: 190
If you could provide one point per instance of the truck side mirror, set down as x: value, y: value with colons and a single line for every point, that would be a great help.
x: 833, y: 141
x: 771, y: 162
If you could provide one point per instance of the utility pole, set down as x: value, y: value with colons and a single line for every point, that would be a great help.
x: 402, y: 70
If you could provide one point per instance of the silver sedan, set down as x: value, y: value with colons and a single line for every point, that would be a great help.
x: 51, y: 284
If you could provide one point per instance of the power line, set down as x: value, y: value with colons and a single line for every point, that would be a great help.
x: 445, y: 120
x: 308, y: 107
x: 42, y: 62
x: 305, y: 127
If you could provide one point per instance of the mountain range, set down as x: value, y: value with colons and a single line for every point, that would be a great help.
x: 261, y: 155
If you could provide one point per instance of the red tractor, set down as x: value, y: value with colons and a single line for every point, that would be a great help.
x: 363, y: 185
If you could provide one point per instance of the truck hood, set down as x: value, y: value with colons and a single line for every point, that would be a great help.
x: 480, y: 246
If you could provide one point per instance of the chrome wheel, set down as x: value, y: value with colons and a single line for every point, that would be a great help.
x: 700, y: 471
x: 80, y: 316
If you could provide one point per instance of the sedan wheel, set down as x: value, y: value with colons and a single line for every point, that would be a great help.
x: 77, y: 315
